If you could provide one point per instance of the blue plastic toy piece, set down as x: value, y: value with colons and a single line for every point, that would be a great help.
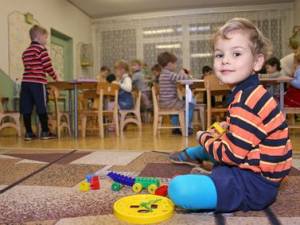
x: 122, y: 179
x: 88, y: 177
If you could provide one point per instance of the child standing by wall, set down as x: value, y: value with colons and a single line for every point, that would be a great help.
x: 37, y: 64
x: 255, y: 154
x: 168, y: 88
x: 125, y: 82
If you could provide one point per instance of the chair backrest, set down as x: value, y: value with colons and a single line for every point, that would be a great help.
x: 53, y: 95
x: 137, y: 95
x: 212, y: 83
x: 108, y: 89
x: 155, y: 97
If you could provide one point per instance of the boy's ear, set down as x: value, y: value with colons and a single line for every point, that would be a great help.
x: 259, y: 62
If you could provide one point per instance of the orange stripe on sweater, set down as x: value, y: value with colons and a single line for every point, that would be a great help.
x: 255, y: 96
x: 267, y: 108
x: 276, y: 167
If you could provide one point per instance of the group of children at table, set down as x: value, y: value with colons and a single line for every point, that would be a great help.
x: 250, y: 159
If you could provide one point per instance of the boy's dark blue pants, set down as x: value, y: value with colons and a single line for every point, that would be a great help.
x: 239, y: 189
x: 34, y: 94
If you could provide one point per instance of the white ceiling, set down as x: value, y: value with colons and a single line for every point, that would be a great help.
x: 107, y: 8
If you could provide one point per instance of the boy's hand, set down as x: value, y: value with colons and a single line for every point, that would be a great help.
x: 58, y: 78
x: 199, y: 133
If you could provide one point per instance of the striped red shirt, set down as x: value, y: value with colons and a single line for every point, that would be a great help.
x: 37, y: 64
x: 257, y: 138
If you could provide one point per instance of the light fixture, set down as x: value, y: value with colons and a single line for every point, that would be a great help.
x: 159, y: 31
x: 168, y: 46
x: 201, y: 55
x: 200, y: 28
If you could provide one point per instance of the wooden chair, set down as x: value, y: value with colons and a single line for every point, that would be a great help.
x: 58, y: 120
x: 200, y: 107
x: 159, y: 113
x: 214, y: 87
x: 291, y: 111
x: 104, y: 89
x: 132, y: 115
x: 9, y: 118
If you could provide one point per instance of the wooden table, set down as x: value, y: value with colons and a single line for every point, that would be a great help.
x: 281, y: 81
x: 74, y: 87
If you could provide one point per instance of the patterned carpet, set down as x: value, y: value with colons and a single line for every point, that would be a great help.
x: 42, y: 187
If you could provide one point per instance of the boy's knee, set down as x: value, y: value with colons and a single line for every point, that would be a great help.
x: 193, y: 192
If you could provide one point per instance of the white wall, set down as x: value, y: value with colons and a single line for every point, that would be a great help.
x: 57, y: 14
x: 297, y: 13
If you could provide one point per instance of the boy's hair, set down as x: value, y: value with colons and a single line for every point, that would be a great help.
x: 156, y: 67
x: 122, y: 64
x: 35, y: 31
x: 136, y: 61
x: 104, y: 68
x: 206, y: 69
x: 297, y: 56
x: 260, y: 44
x: 273, y: 62
x: 166, y: 57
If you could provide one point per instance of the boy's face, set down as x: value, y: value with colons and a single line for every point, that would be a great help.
x: 42, y: 39
x: 119, y: 71
x: 233, y: 58
x: 104, y: 73
x: 156, y: 73
x: 135, y: 67
x: 271, y: 69
x: 171, y: 66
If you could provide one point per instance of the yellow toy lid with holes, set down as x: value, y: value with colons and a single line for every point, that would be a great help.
x: 143, y: 209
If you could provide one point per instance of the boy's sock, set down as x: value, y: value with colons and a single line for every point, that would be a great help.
x: 197, y: 152
x: 44, y: 122
x: 27, y: 123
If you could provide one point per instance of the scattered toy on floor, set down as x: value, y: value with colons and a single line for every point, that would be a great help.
x: 143, y: 209
x: 91, y: 182
x: 137, y: 183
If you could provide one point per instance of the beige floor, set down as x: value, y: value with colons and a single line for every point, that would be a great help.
x: 132, y: 140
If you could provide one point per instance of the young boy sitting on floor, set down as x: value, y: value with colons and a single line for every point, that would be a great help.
x: 255, y: 154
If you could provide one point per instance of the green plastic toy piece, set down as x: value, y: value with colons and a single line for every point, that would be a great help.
x: 116, y: 186
x: 149, y: 183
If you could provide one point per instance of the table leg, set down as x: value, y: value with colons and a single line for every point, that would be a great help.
x: 281, y: 95
x: 75, y: 111
x: 186, y: 128
x: 70, y: 105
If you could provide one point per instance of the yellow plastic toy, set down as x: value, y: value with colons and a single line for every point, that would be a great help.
x: 143, y: 209
x: 84, y: 186
x: 218, y: 128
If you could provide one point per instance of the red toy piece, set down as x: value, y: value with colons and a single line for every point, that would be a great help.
x: 162, y: 190
x: 95, y: 184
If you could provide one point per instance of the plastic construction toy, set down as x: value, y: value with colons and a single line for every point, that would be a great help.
x: 91, y: 183
x: 137, y: 183
x: 84, y: 186
x: 95, y: 184
x: 162, y: 190
x: 149, y: 183
x: 143, y: 209
x: 218, y: 128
